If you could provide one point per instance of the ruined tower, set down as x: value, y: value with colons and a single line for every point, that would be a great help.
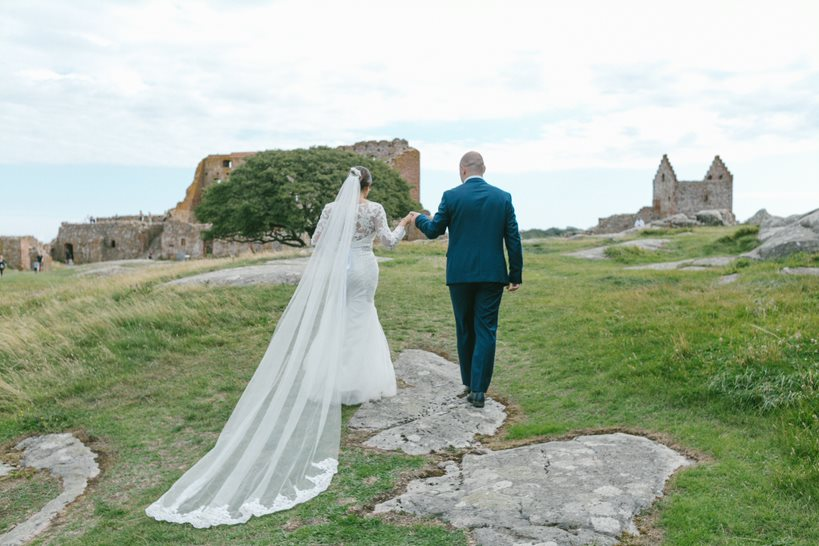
x: 673, y: 196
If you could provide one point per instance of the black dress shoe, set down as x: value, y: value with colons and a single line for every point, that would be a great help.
x: 466, y: 392
x: 477, y: 399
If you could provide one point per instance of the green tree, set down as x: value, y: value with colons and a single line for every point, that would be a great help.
x: 278, y: 195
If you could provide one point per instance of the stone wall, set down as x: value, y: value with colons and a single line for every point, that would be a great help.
x: 184, y: 240
x: 104, y: 241
x: 211, y: 170
x: 672, y: 196
x: 21, y: 252
x: 621, y: 222
x: 665, y: 182
x: 396, y: 153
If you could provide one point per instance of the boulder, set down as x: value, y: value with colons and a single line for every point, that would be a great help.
x: 760, y: 217
x: 675, y: 220
x: 716, y: 217
x: 799, y: 234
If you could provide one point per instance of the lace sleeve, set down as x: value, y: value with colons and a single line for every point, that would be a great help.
x: 325, y: 215
x: 388, y: 238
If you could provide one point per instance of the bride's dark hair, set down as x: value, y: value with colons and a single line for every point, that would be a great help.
x: 366, y: 178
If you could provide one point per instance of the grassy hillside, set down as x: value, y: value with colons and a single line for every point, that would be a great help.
x: 148, y: 374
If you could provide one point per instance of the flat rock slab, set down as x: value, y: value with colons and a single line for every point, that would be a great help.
x: 117, y: 267
x: 582, y: 491
x: 696, y: 264
x: 427, y: 415
x: 287, y: 271
x: 801, y: 271
x: 599, y: 253
x: 66, y: 458
x: 728, y: 279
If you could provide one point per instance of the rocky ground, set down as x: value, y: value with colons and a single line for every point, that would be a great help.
x: 599, y: 253
x: 581, y: 491
x: 586, y: 490
x: 65, y: 457
x: 784, y: 236
x: 283, y: 271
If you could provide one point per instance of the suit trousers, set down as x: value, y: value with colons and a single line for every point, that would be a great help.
x: 476, y: 307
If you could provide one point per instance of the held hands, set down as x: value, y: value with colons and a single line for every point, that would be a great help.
x: 409, y: 218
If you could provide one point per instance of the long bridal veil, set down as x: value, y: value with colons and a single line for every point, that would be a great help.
x: 280, y: 445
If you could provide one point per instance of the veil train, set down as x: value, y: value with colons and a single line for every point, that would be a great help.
x: 280, y: 445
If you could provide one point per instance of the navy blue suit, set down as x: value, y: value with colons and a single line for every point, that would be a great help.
x: 480, y: 219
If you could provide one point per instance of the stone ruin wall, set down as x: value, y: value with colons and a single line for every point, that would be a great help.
x: 104, y: 241
x: 21, y: 252
x: 715, y: 191
x: 672, y: 196
x: 210, y: 170
x: 664, y: 186
x: 183, y: 239
x: 178, y: 233
x: 621, y: 222
x: 396, y: 153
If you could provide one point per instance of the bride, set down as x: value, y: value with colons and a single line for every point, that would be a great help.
x: 280, y: 445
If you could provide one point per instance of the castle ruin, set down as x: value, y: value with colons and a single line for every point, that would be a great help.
x: 672, y: 196
x: 178, y: 234
x: 21, y: 252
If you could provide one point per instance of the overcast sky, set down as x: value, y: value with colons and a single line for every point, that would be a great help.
x: 106, y: 107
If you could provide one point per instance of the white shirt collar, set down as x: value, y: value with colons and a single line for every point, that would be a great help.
x: 473, y: 176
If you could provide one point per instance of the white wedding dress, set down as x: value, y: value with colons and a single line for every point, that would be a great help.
x: 280, y: 445
x: 366, y: 371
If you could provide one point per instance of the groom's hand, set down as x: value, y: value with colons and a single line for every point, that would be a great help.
x: 512, y: 287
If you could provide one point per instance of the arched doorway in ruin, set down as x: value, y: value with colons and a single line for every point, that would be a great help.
x: 69, y: 253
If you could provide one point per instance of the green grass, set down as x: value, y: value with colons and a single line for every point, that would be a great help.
x: 148, y: 374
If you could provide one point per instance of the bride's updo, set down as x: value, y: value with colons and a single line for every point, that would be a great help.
x: 364, y: 176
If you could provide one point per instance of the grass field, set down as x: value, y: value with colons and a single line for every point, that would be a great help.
x: 147, y: 375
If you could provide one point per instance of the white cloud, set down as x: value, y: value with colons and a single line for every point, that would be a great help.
x: 615, y: 84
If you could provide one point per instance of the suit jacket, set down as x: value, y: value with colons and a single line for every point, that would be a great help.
x: 480, y: 218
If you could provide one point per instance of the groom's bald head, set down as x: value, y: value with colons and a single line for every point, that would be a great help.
x: 472, y: 165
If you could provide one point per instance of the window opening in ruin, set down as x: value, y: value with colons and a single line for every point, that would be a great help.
x: 113, y: 244
x: 709, y: 177
x: 720, y: 177
x: 227, y: 163
x: 662, y: 176
x: 182, y: 242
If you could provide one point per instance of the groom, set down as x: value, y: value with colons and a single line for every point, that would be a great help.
x: 480, y: 219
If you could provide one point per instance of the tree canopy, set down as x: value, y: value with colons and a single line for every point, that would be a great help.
x: 278, y: 195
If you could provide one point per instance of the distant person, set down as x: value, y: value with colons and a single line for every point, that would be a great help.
x: 39, y: 262
x: 481, y: 220
x: 2, y: 265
